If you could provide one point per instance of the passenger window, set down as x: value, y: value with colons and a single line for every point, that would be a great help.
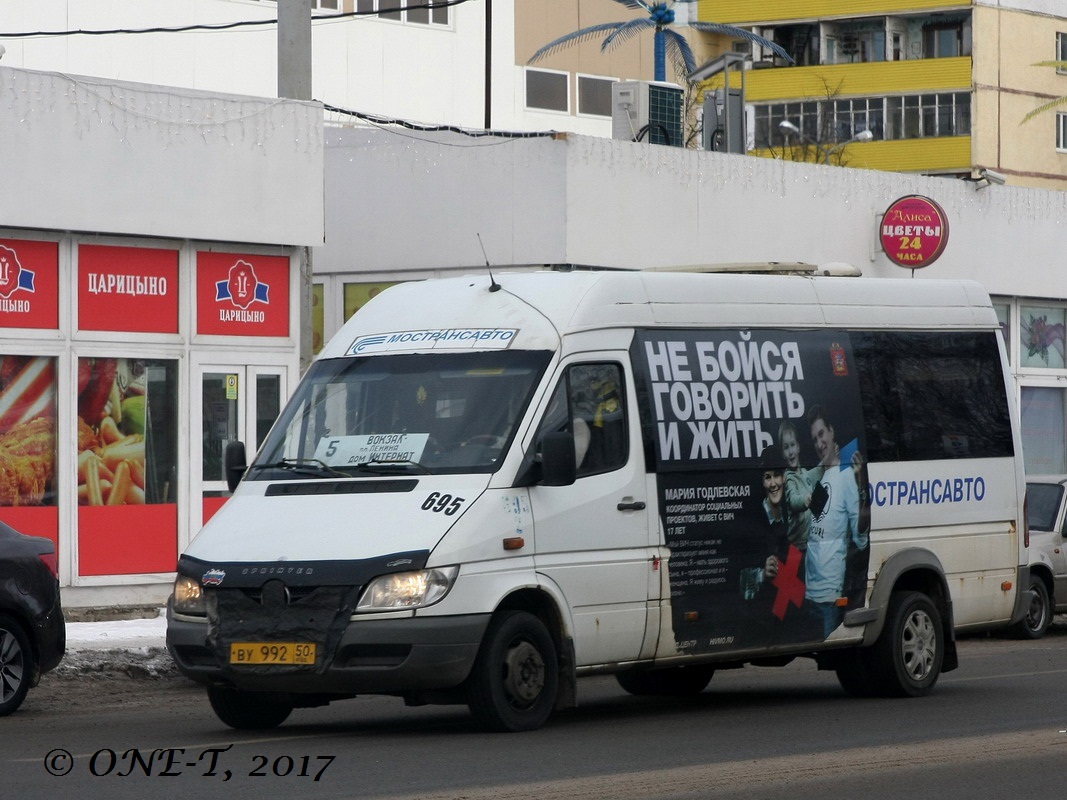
x: 932, y: 395
x: 589, y: 402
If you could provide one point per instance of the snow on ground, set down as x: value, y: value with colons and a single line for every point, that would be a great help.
x: 136, y: 647
x: 121, y: 633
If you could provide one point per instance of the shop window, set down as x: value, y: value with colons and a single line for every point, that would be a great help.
x: 547, y: 90
x: 594, y: 96
x: 318, y: 317
x: 127, y: 446
x: 27, y: 431
x: 357, y: 295
x: 1041, y: 336
x: 1042, y: 417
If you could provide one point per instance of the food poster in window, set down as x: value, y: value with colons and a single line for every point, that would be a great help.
x: 29, y: 284
x: 757, y: 437
x: 127, y: 423
x: 28, y: 445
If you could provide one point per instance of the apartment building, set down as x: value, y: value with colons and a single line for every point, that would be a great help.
x: 943, y: 87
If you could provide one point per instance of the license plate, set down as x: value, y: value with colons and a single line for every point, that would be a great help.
x: 272, y: 653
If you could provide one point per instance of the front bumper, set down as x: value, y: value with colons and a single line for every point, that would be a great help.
x: 384, y: 656
x: 50, y: 634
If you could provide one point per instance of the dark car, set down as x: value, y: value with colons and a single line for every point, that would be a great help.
x: 33, y: 634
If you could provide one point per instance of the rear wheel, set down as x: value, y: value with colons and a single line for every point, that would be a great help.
x: 666, y: 682
x: 249, y: 710
x: 1038, y: 614
x: 16, y: 665
x: 513, y: 684
x: 906, y: 659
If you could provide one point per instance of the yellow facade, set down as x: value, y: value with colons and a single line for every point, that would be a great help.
x: 757, y: 12
x: 999, y: 71
x: 853, y: 80
x: 931, y: 155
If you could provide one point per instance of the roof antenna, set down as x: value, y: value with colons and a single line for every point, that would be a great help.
x: 493, y: 285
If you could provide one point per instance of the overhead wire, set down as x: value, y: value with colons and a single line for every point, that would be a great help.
x: 224, y: 26
x: 475, y: 133
x: 374, y: 119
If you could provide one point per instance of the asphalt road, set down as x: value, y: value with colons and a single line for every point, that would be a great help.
x: 993, y: 728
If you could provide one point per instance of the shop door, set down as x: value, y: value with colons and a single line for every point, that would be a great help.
x: 237, y: 404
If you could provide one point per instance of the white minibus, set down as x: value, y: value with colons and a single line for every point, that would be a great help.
x: 487, y: 487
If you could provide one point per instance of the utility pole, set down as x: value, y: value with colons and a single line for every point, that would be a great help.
x: 488, y: 65
x: 294, y: 49
x: 294, y: 81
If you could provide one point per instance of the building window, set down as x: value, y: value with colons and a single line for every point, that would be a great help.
x: 919, y: 116
x: 547, y: 90
x: 1061, y: 131
x: 1044, y: 439
x: 357, y: 295
x: 855, y: 47
x: 594, y: 96
x: 1041, y: 336
x: 415, y: 12
x: 947, y: 40
x: 907, y: 117
x: 1061, y: 51
x: 326, y: 5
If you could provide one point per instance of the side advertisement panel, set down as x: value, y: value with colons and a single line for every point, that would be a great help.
x: 757, y: 438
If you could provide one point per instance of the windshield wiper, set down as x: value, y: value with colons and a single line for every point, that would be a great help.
x: 383, y: 463
x: 303, y: 466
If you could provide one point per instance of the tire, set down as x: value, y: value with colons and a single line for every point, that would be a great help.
x: 906, y: 659
x: 1038, y: 614
x: 249, y: 711
x: 667, y: 682
x: 16, y: 665
x: 513, y: 684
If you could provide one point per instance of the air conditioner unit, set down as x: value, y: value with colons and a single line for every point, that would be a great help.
x: 647, y: 111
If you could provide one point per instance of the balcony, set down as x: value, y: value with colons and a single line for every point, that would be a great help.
x: 852, y: 80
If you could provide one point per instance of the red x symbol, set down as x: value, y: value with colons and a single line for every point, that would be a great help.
x: 787, y: 581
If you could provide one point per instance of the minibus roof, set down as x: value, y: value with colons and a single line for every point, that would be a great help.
x: 541, y: 307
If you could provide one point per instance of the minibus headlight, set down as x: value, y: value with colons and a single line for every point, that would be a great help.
x: 189, y: 597
x: 402, y: 590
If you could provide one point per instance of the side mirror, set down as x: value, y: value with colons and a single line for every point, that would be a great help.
x: 557, y: 459
x: 234, y: 463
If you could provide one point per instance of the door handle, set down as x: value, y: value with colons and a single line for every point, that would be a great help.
x: 631, y: 505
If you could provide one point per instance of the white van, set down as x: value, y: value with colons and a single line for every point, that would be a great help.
x: 483, y: 489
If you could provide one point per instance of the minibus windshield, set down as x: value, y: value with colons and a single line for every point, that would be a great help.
x: 408, y: 413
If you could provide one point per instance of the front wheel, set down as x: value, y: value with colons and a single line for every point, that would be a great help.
x: 1038, y: 613
x: 906, y: 659
x: 513, y: 684
x: 16, y: 665
x: 249, y: 711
